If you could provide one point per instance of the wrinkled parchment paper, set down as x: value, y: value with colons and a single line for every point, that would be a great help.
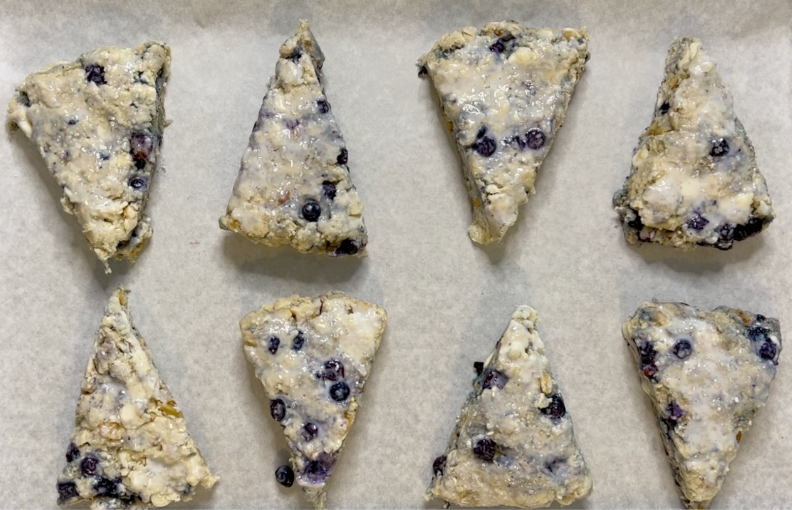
x: 448, y: 300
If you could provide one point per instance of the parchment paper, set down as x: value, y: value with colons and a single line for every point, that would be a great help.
x: 448, y: 300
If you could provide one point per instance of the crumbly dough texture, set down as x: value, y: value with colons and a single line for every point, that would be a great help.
x: 706, y: 374
x: 98, y: 124
x: 694, y: 179
x: 130, y: 448
x: 504, y: 90
x: 294, y: 187
x: 513, y: 444
x: 313, y: 356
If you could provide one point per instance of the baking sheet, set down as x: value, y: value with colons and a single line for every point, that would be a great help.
x: 448, y: 300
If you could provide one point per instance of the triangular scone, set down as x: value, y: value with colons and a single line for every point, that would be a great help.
x: 130, y: 447
x: 513, y: 444
x: 505, y: 90
x: 694, y: 179
x: 294, y: 187
x: 98, y: 123
x: 706, y: 374
x: 313, y: 356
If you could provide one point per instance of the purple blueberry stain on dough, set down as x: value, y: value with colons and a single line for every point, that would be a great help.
x: 495, y: 379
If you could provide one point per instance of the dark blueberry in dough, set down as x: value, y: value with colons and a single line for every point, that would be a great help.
x: 347, y: 247
x: 422, y: 71
x: 317, y: 471
x: 339, y: 391
x: 23, y: 99
x: 556, y: 466
x: 753, y: 227
x: 720, y: 147
x: 485, y: 449
x: 298, y: 341
x: 323, y: 106
x: 635, y: 223
x: 89, y: 465
x: 683, y: 348
x: 107, y: 487
x: 675, y: 413
x: 439, y: 465
x: 72, y: 122
x: 95, y: 73
x: 138, y: 183
x: 485, y: 146
x: 329, y: 189
x: 140, y: 145
x: 556, y: 408
x: 650, y: 370
x: 646, y: 351
x: 497, y: 47
x: 333, y: 370
x: 311, y: 211
x: 309, y: 431
x: 295, y: 56
x: 73, y: 453
x: 767, y: 350
x: 277, y: 409
x: 495, y: 379
x: 478, y: 366
x: 756, y: 333
x: 343, y: 156
x: 514, y: 139
x: 664, y: 108
x: 272, y: 344
x: 285, y: 476
x: 67, y: 489
x: 760, y: 318
x: 535, y: 138
x: 697, y: 221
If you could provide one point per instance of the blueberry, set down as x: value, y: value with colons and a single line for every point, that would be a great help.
x: 107, y: 487
x: 535, y: 138
x: 760, y: 318
x: 439, y: 465
x: 343, y: 156
x: 422, y: 71
x: 140, y: 146
x: 23, y: 99
x: 311, y: 211
x: 272, y: 344
x: 478, y: 366
x: 664, y: 108
x: 646, y: 351
x: 683, y: 348
x: 697, y: 221
x: 295, y: 56
x: 285, y: 476
x: 72, y: 453
x: 347, y: 247
x: 556, y: 408
x: 753, y: 227
x: 333, y: 370
x: 636, y: 223
x: 67, y: 489
x: 323, y: 106
x: 497, y: 47
x: 556, y: 466
x: 495, y: 379
x: 485, y: 449
x: 291, y: 124
x: 138, y: 183
x: 339, y: 391
x: 277, y: 409
x: 95, y: 73
x: 309, y: 431
x: 767, y: 350
x: 317, y: 471
x: 485, y: 146
x: 650, y: 370
x: 72, y: 122
x: 720, y: 147
x: 298, y: 341
x: 674, y: 414
x: 329, y: 189
x: 89, y: 465
x: 756, y: 333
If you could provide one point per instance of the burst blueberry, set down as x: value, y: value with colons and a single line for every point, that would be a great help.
x: 107, y: 487
x: 495, y: 379
x: 697, y: 221
x: 95, y: 73
x: 272, y: 344
x: 664, y: 108
x: 343, y: 156
x: 720, y: 147
x: 478, y: 366
x: 485, y: 146
x: 556, y: 408
x: 347, y: 247
x: 439, y: 465
x: 332, y: 370
x: 323, y: 106
x: 277, y: 409
x: 89, y: 465
x: 753, y: 227
x: 298, y: 341
x: 309, y: 431
x: 284, y: 475
x: 329, y: 190
x: 485, y: 449
x: 318, y: 470
x: 73, y: 453
x: 67, y: 490
x: 767, y: 350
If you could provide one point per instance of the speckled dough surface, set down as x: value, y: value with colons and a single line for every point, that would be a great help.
x: 313, y: 356
x: 504, y: 90
x: 694, y: 179
x: 513, y: 444
x: 293, y: 187
x: 98, y: 123
x: 706, y: 374
x: 130, y: 448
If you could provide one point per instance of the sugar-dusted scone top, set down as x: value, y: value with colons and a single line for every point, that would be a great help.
x: 694, y: 179
x: 130, y: 448
x: 293, y: 187
x: 706, y: 374
x: 513, y: 444
x: 504, y: 90
x: 98, y: 124
x: 313, y: 356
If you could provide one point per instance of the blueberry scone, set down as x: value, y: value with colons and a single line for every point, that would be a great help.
x: 130, y: 447
x: 313, y: 356
x: 294, y: 187
x: 694, y: 179
x: 706, y: 374
x: 504, y: 90
x: 98, y: 123
x: 513, y: 444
